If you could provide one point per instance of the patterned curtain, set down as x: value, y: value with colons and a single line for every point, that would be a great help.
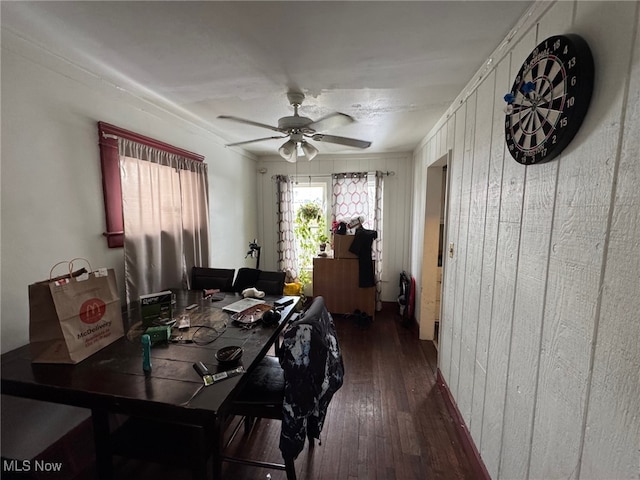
x: 287, y: 260
x: 376, y: 188
x: 351, y: 197
x: 360, y: 194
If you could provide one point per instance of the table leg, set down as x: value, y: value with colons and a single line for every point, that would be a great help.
x: 101, y: 433
x: 218, y: 445
x: 200, y: 470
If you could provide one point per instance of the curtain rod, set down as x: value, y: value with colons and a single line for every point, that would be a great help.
x: 324, y: 175
x: 111, y: 132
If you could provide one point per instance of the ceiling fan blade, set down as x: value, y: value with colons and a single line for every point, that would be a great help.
x: 349, y: 142
x: 252, y: 141
x: 251, y: 122
x: 333, y: 120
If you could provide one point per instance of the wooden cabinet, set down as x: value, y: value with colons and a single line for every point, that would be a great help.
x: 336, y: 279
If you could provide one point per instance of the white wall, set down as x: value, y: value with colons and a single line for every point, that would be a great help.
x: 398, y: 194
x: 540, y: 328
x: 52, y: 205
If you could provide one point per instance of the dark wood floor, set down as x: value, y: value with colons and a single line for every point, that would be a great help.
x: 387, y: 422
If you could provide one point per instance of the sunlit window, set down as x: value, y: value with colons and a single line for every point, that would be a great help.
x: 308, y: 196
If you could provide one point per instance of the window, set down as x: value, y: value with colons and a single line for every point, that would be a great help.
x: 156, y: 204
x: 310, y: 213
x: 351, y: 194
x: 111, y: 185
x: 310, y: 192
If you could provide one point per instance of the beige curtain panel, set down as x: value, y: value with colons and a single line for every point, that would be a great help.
x: 166, y: 218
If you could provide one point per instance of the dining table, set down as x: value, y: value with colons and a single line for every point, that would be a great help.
x: 115, y: 382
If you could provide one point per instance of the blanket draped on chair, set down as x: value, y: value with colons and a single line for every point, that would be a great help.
x: 314, y: 371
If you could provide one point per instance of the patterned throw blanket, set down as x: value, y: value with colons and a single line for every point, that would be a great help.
x: 313, y: 372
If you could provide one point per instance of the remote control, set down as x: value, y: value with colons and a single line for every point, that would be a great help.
x: 209, y: 378
x: 192, y: 306
x: 283, y: 302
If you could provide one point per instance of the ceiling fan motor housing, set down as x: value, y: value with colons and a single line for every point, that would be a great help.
x: 294, y: 122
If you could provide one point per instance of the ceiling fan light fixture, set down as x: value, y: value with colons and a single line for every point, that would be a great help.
x: 309, y: 150
x: 288, y: 151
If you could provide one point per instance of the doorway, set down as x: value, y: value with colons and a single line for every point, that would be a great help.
x: 433, y: 249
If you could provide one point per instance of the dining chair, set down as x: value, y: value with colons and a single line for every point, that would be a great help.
x: 295, y: 388
x: 271, y: 283
x: 245, y: 278
x: 210, y: 278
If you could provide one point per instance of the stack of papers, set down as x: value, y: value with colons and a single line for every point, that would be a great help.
x: 243, y: 304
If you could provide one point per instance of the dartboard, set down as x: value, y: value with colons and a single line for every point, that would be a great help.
x: 549, y: 98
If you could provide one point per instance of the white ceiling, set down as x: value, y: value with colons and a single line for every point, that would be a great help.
x: 394, y: 66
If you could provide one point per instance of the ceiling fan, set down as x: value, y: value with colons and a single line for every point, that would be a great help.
x: 299, y: 129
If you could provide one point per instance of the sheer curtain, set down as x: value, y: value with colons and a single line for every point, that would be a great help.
x: 166, y: 218
x: 287, y: 259
x: 360, y: 194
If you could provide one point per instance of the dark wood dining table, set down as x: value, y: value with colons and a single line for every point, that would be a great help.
x: 112, y: 381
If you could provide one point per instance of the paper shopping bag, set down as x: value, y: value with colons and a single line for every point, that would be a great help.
x: 73, y: 316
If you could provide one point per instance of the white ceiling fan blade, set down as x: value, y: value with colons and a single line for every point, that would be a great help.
x: 333, y: 120
x: 349, y: 142
x: 251, y: 122
x: 252, y: 141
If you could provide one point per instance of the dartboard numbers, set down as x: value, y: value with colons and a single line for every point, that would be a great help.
x: 549, y: 98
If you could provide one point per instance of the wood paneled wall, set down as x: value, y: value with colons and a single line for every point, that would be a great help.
x: 540, y: 329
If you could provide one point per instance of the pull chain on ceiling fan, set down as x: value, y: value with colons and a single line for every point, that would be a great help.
x: 298, y: 129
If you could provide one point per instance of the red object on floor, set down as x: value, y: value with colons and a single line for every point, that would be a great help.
x: 411, y: 304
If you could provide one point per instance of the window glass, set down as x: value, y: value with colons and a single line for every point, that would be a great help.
x: 306, y: 248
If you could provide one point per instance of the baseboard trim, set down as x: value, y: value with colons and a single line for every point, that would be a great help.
x: 479, y: 469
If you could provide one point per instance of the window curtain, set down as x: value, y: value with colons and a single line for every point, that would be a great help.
x: 287, y: 259
x: 375, y: 182
x: 351, y: 197
x: 166, y: 218
x: 360, y: 194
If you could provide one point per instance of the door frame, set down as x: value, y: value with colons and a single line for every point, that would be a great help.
x: 435, y: 214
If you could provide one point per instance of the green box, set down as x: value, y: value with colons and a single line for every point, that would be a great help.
x: 159, y: 334
x: 155, y: 307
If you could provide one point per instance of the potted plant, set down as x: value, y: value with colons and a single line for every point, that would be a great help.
x: 310, y: 212
x: 322, y: 239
